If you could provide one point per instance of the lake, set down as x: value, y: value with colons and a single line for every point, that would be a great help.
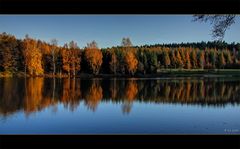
x: 207, y: 105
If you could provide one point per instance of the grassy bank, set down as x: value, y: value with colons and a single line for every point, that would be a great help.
x: 159, y: 73
x: 199, y: 72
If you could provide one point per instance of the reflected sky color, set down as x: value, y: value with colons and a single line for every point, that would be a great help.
x: 125, y: 106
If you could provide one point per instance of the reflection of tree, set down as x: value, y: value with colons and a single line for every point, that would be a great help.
x: 201, y: 89
x: 166, y: 90
x: 33, y: 96
x: 71, y: 93
x: 10, y: 99
x: 131, y: 93
x: 131, y: 90
x: 180, y: 90
x: 94, y: 95
x: 188, y: 89
x: 37, y: 93
x: 113, y: 89
x: 126, y: 107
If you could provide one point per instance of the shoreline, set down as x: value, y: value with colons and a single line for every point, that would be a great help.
x: 159, y: 74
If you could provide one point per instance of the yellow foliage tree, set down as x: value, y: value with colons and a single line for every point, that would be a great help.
x: 187, y: 60
x: 33, y: 57
x: 75, y: 60
x: 131, y: 62
x: 94, y: 57
x: 66, y: 60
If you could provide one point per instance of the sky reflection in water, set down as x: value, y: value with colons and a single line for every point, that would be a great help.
x: 122, y: 106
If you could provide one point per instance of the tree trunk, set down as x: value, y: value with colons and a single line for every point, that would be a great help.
x: 54, y: 65
x: 74, y: 71
x: 25, y: 70
x: 69, y: 70
x: 54, y: 68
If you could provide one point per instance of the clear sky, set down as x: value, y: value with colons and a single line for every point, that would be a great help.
x: 108, y: 30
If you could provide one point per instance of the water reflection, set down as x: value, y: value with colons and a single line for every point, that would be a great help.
x: 34, y: 94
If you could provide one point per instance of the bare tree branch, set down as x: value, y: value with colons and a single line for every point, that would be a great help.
x: 220, y: 23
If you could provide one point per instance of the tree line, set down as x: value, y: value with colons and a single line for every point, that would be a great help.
x: 35, y: 57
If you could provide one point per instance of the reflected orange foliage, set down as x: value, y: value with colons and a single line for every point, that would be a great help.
x: 33, y: 95
x: 131, y: 90
x: 94, y: 96
x: 71, y: 93
x: 38, y: 93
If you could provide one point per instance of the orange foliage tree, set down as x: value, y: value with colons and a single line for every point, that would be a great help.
x: 179, y: 61
x: 187, y: 60
x: 75, y: 57
x: 75, y: 60
x: 201, y: 59
x: 222, y: 61
x: 131, y: 62
x: 32, y: 56
x: 194, y: 58
x: 65, y: 52
x: 93, y: 56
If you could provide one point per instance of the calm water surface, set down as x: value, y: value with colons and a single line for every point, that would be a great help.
x: 122, y: 106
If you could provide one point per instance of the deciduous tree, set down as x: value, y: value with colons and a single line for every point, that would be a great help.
x: 220, y: 23
x: 54, y: 52
x: 9, y: 53
x: 222, y: 61
x: 201, y: 59
x: 166, y: 59
x: 131, y: 62
x: 113, y: 62
x: 93, y: 56
x: 126, y: 42
x: 33, y: 57
x: 193, y: 57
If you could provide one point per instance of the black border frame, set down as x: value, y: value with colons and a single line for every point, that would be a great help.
x: 120, y: 7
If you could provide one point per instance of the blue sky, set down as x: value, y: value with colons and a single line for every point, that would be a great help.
x: 108, y: 30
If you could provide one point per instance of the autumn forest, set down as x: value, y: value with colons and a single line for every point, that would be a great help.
x: 32, y: 57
